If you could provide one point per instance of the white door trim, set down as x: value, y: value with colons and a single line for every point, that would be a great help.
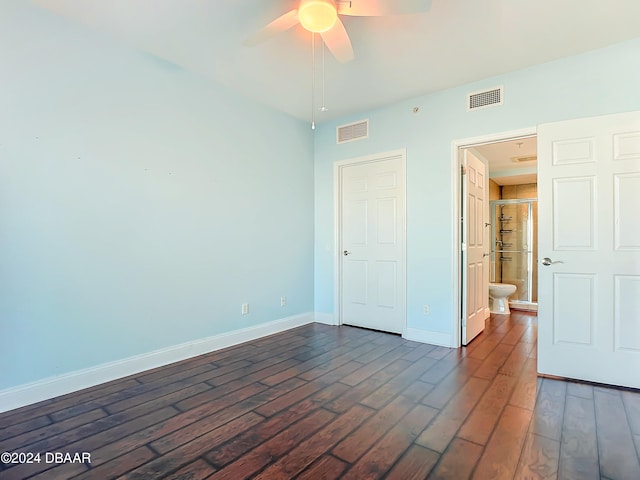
x: 456, y: 214
x: 337, y: 233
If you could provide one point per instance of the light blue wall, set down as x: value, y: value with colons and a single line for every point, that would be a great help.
x: 599, y: 82
x: 140, y: 205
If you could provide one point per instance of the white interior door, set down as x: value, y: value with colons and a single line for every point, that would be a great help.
x: 589, y: 230
x: 475, y: 248
x: 372, y: 229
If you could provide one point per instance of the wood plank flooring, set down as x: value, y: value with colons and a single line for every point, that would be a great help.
x: 321, y: 402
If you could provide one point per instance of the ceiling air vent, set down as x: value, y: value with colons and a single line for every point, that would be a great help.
x: 530, y: 158
x: 485, y: 98
x: 353, y: 131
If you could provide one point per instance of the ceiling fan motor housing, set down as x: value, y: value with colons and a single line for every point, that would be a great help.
x: 317, y: 15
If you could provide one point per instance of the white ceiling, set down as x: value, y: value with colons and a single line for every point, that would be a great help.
x: 398, y: 57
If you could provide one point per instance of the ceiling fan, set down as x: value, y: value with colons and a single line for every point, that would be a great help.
x: 322, y: 16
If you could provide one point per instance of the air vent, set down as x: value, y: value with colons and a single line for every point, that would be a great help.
x: 530, y: 158
x: 485, y: 98
x: 353, y: 131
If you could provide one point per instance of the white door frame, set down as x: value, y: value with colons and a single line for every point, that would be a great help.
x: 456, y: 215
x: 337, y: 229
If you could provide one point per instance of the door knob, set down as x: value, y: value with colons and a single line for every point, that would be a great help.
x: 346, y: 252
x: 546, y: 261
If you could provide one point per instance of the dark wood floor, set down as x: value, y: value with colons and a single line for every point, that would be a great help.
x: 321, y: 402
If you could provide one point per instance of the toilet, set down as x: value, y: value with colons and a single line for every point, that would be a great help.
x: 499, y: 294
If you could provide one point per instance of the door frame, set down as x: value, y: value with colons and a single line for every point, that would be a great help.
x: 456, y: 216
x: 338, y: 167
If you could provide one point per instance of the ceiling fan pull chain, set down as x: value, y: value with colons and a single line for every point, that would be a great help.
x: 323, y: 108
x: 313, y: 81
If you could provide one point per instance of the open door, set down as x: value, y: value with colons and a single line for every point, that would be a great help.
x: 589, y: 248
x: 475, y: 247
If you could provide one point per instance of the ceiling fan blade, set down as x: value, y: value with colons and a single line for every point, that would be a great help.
x: 377, y: 8
x: 338, y: 42
x: 280, y: 24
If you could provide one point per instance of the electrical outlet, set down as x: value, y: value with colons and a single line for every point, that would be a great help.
x: 283, y: 301
x: 245, y: 309
x: 425, y: 310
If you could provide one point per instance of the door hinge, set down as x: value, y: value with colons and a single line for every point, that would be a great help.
x: 463, y: 170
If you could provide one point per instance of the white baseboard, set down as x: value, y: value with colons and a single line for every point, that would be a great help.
x: 526, y: 306
x: 50, y: 387
x: 326, y: 318
x: 427, y: 336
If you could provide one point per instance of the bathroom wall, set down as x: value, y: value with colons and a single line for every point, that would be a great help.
x: 494, y: 190
x: 527, y: 190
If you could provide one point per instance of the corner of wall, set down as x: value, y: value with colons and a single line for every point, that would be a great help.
x: 326, y: 318
x: 428, y: 336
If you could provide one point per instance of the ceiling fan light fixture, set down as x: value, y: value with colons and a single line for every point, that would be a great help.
x: 317, y: 15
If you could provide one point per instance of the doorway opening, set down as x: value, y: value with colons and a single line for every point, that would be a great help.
x: 510, y: 161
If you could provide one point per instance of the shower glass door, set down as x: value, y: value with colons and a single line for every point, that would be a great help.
x: 513, y: 250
